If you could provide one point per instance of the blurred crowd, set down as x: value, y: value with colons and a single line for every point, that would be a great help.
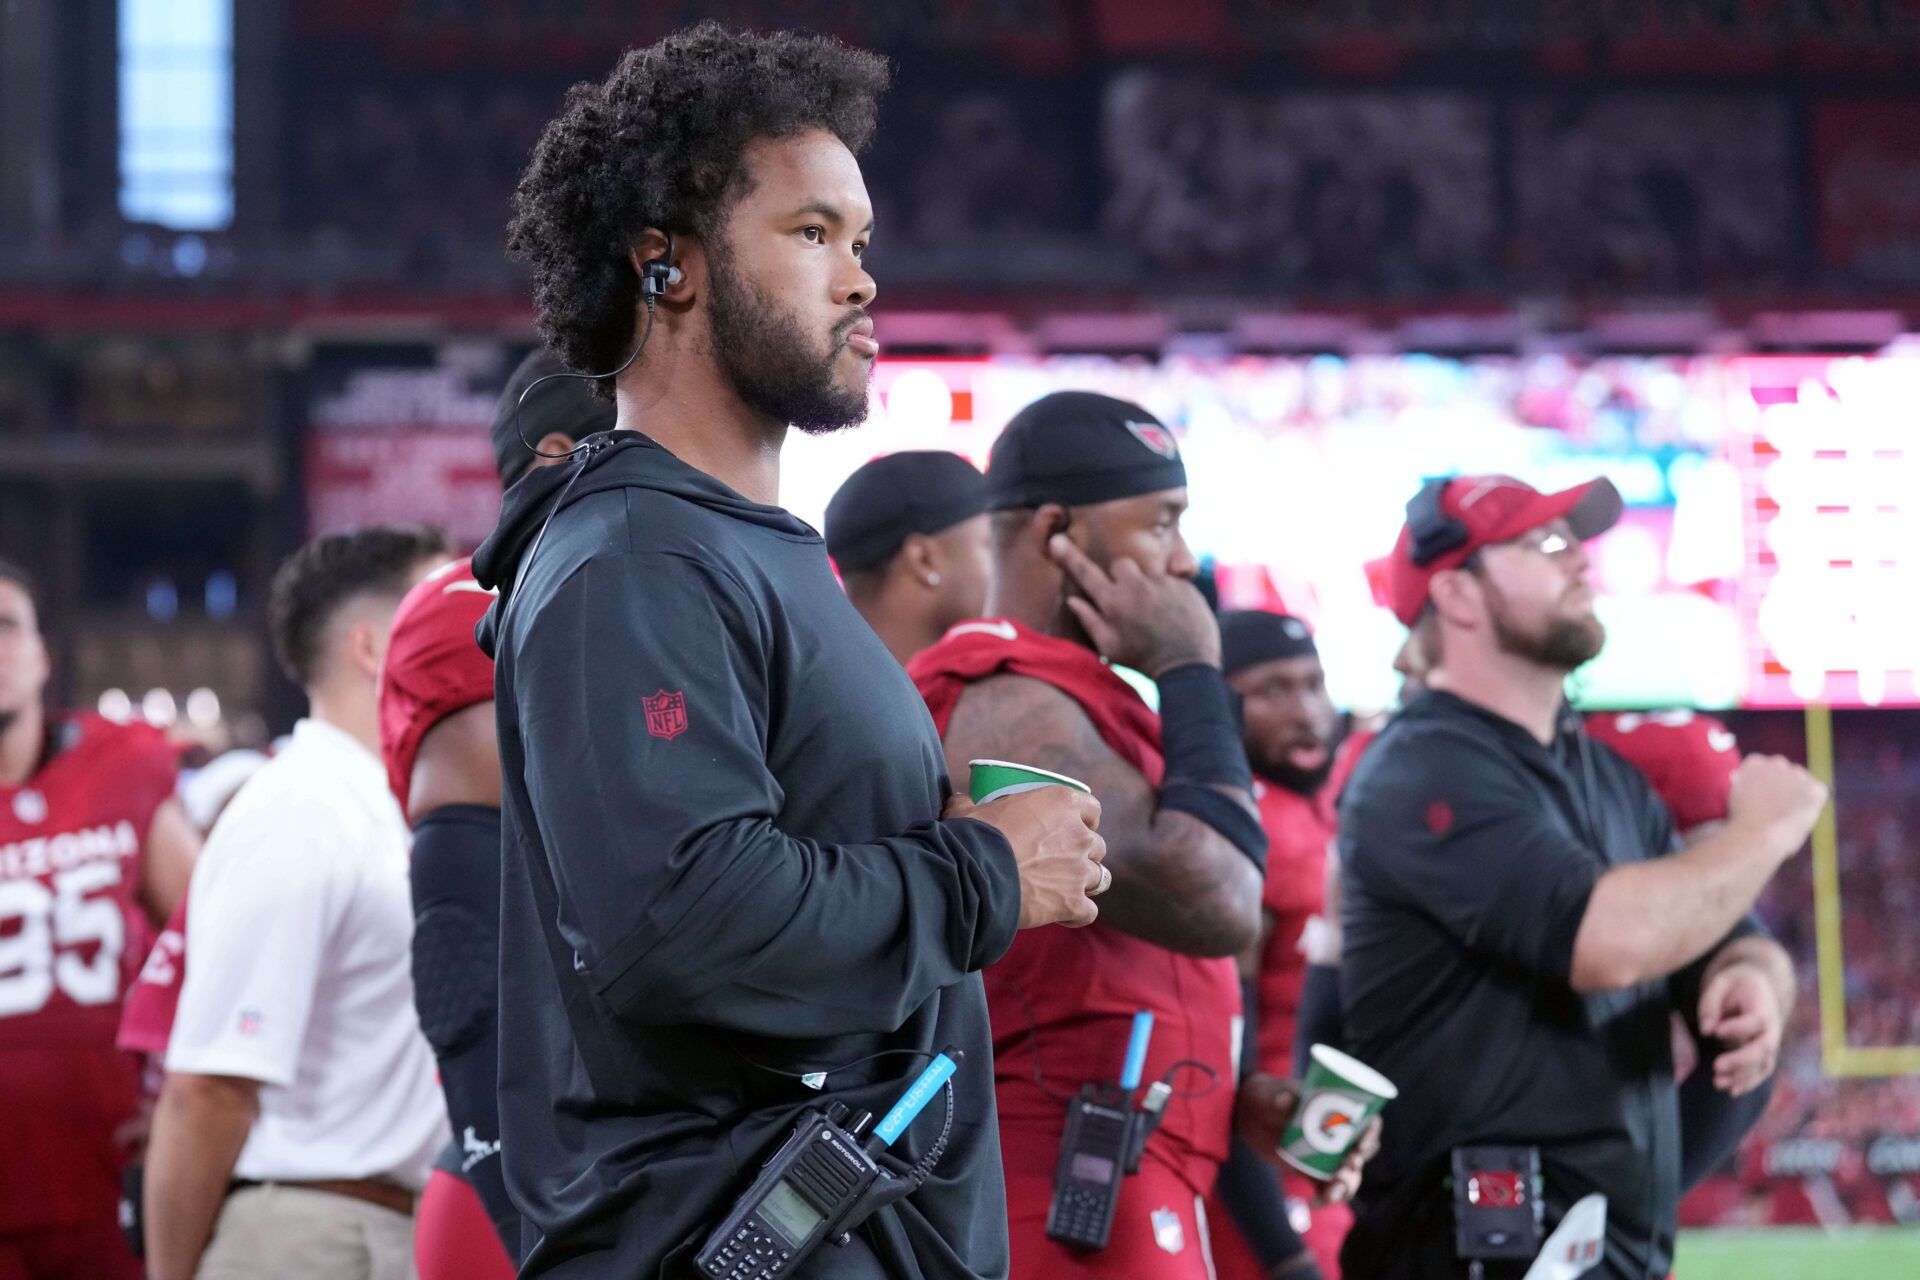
x: 1808, y: 1161
x: 1389, y: 192
x: 1107, y: 176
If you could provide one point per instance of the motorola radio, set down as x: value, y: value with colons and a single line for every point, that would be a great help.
x: 1105, y: 1137
x: 1497, y: 1209
x: 824, y: 1180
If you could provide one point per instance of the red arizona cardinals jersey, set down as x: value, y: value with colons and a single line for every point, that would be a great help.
x: 434, y: 666
x: 1688, y: 757
x: 72, y: 934
x: 1062, y: 1000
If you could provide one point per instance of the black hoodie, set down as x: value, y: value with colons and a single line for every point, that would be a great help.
x: 722, y: 869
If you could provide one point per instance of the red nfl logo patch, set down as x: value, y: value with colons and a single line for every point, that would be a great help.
x: 1155, y: 437
x: 666, y: 714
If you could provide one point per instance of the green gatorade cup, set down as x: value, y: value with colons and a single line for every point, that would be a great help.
x: 997, y: 779
x: 1338, y: 1100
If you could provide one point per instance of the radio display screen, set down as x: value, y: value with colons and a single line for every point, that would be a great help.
x: 789, y: 1213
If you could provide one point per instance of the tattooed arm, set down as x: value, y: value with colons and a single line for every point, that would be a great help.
x: 1176, y: 882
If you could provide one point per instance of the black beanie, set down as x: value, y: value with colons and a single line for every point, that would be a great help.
x: 566, y: 405
x: 918, y: 491
x: 1252, y: 636
x: 1078, y: 448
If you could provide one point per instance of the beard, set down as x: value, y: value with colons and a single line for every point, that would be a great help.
x: 1564, y: 644
x: 767, y: 357
x: 1291, y: 777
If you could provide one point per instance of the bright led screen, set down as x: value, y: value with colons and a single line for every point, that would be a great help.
x: 1768, y: 556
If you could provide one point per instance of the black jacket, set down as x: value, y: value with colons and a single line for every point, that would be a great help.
x: 1468, y: 852
x: 722, y: 869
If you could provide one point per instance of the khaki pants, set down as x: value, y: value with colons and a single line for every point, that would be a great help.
x: 276, y: 1232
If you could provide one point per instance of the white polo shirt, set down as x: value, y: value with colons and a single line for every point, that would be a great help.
x: 299, y: 971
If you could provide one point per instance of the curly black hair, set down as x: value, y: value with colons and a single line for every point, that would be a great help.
x: 659, y: 144
x: 315, y: 581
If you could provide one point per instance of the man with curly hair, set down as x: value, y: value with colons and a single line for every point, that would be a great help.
x: 734, y: 882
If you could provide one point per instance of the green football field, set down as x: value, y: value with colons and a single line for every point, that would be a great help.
x: 1792, y: 1253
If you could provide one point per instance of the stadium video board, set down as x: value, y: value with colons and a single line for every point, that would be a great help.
x: 1768, y: 557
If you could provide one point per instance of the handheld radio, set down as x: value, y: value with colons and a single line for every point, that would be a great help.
x: 1105, y: 1137
x: 1497, y: 1208
x: 822, y: 1182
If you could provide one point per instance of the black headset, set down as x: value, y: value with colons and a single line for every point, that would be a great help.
x: 1432, y: 532
x: 655, y: 276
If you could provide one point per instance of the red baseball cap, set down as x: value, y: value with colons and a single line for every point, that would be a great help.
x: 1450, y: 520
x: 1688, y: 758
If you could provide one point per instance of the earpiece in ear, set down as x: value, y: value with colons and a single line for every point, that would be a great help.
x: 659, y: 273
x: 655, y: 276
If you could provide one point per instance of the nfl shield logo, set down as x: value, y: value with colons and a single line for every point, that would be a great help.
x: 1155, y: 437
x: 666, y: 714
x: 1168, y: 1232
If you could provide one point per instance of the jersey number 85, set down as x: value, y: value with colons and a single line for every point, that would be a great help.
x: 56, y: 924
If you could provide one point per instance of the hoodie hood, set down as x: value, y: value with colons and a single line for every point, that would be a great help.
x: 612, y: 460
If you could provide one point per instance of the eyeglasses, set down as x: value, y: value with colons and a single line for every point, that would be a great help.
x: 1548, y: 542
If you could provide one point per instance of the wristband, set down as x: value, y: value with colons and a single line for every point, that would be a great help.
x: 1199, y: 737
x: 1218, y: 810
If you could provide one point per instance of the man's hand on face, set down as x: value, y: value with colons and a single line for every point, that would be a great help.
x: 1261, y: 1111
x: 1152, y: 622
x: 1740, y: 1008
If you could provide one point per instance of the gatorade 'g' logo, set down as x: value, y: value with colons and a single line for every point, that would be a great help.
x: 1329, y: 1119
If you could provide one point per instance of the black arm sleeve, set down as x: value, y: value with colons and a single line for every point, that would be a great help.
x: 680, y: 897
x: 1685, y: 985
x: 1254, y: 1197
x: 1249, y: 1187
x: 1200, y: 737
x: 456, y: 948
x: 1319, y: 1017
x: 1200, y: 730
x: 1711, y: 1122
